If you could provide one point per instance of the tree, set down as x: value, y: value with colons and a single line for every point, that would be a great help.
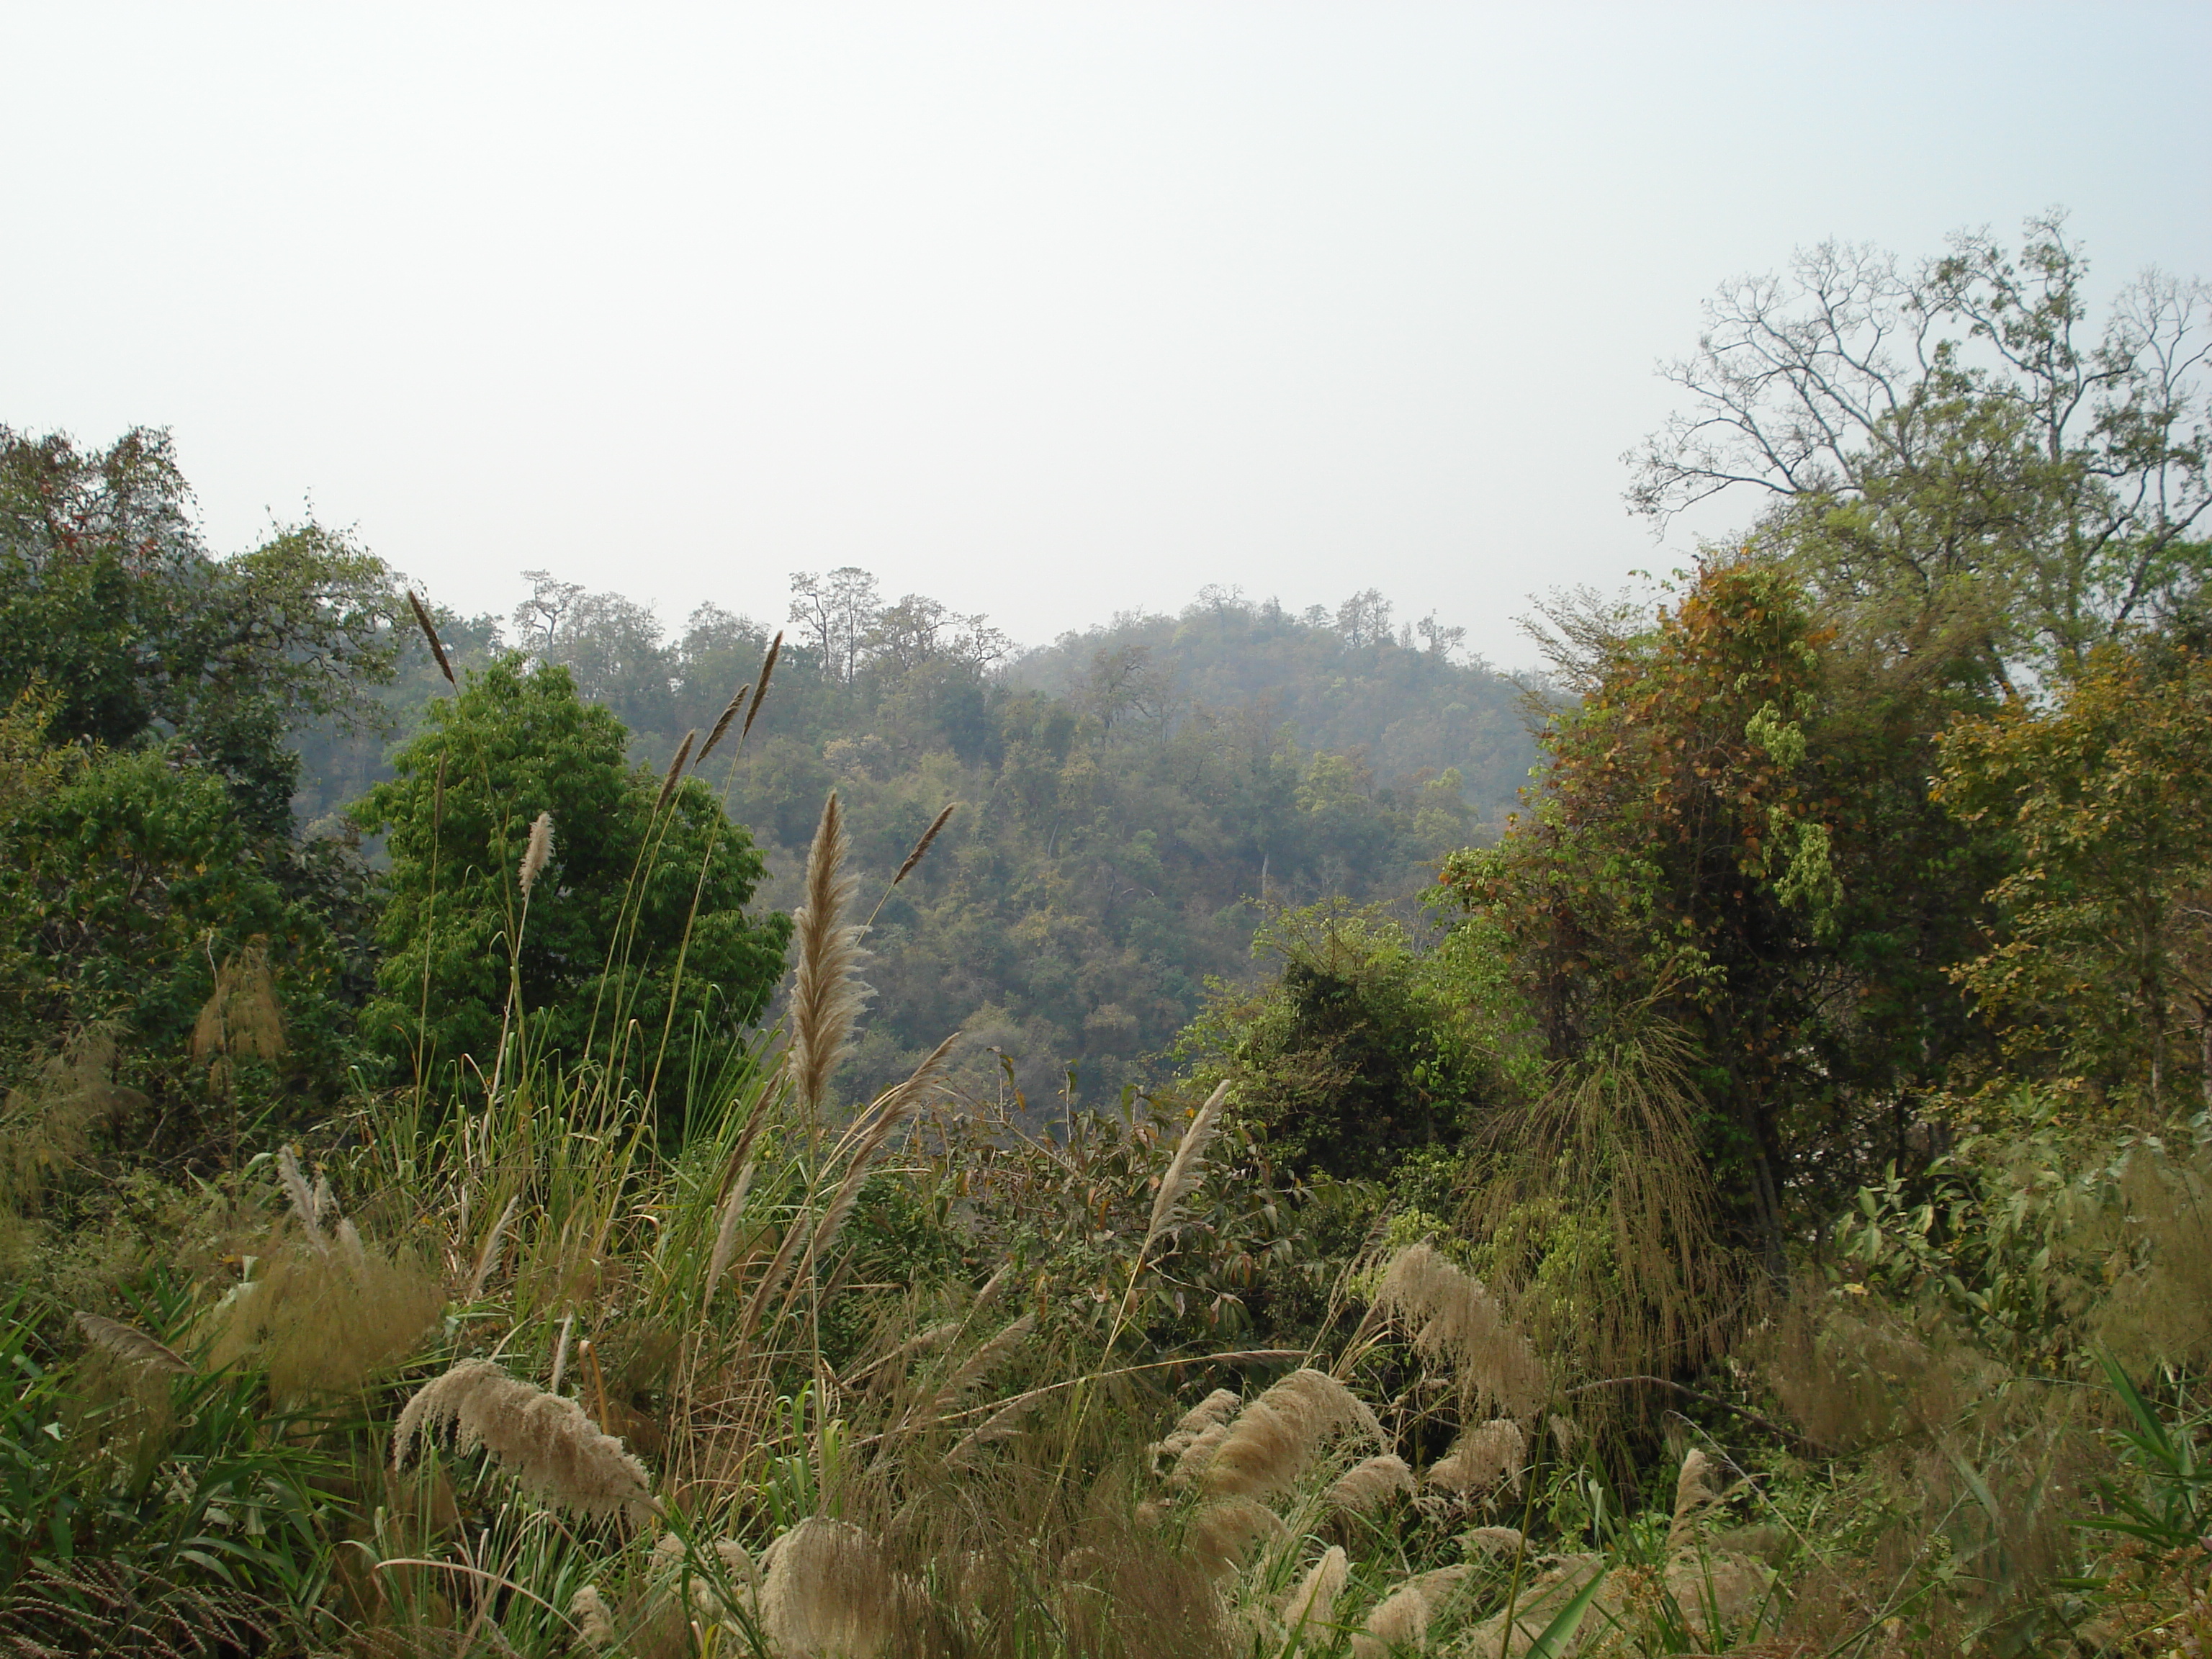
x: 1733, y: 835
x: 1954, y: 460
x: 1360, y: 1052
x: 127, y: 883
x: 108, y: 599
x: 837, y: 614
x: 2103, y: 970
x: 611, y: 932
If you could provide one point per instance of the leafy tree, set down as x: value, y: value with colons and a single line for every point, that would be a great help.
x: 1734, y: 836
x: 2103, y: 971
x: 1957, y: 459
x: 107, y: 597
x: 129, y: 882
x: 1360, y: 1051
x: 612, y: 932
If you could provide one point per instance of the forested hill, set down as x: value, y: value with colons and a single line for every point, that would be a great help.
x: 1130, y: 800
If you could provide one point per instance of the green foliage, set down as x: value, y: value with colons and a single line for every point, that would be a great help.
x: 1124, y: 797
x: 612, y: 936
x: 1958, y: 462
x: 2103, y: 974
x: 2173, y: 1508
x: 1360, y: 1052
x: 107, y: 598
x: 1734, y: 831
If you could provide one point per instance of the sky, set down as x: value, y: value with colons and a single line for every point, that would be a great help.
x: 1047, y: 311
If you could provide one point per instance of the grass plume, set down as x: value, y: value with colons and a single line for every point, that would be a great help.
x: 430, y: 632
x: 539, y: 850
x: 721, y: 725
x: 675, y: 772
x: 760, y: 686
x: 1275, y: 1439
x: 543, y: 1440
x: 1452, y: 1318
x: 128, y: 1343
x: 826, y: 992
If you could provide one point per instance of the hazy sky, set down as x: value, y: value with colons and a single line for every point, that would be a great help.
x: 1044, y: 310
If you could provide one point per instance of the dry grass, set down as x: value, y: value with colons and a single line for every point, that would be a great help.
x: 825, y: 1589
x: 826, y: 992
x: 47, y: 1122
x: 1455, y: 1320
x: 1485, y: 1457
x: 1311, y: 1602
x: 1403, y: 1618
x: 1599, y: 1213
x: 1276, y: 1438
x: 130, y: 1345
x: 1367, y: 1485
x: 545, y: 1440
x: 535, y: 855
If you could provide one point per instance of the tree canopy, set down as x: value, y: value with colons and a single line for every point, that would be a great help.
x: 1955, y: 452
x: 637, y: 924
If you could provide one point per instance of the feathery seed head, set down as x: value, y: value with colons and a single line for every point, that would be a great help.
x: 320, y: 1321
x: 1213, y: 1412
x: 760, y: 687
x: 595, y: 1623
x: 1481, y: 1458
x: 543, y: 1440
x: 539, y: 850
x: 1369, y: 1485
x: 825, y: 1591
x: 1184, y: 1170
x: 922, y: 847
x: 1454, y: 1319
x: 1695, y: 1490
x: 675, y: 769
x: 430, y: 632
x: 241, y: 1016
x: 127, y: 1343
x: 303, y: 1200
x: 826, y: 993
x: 1224, y: 1530
x: 1492, y: 1540
x: 1312, y: 1600
x: 1403, y: 1618
x: 1276, y: 1437
x: 721, y: 725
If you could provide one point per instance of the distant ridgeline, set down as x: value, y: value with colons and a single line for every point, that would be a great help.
x: 1129, y: 798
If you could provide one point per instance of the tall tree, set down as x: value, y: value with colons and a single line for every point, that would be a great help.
x: 1956, y: 456
x: 2102, y: 972
x: 1733, y: 832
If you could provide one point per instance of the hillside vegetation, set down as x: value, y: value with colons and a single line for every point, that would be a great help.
x: 596, y: 1178
x: 1128, y: 803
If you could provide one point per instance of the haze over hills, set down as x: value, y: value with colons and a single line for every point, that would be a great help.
x: 1130, y: 800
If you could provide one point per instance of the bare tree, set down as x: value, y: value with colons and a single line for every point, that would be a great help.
x: 539, y: 618
x: 1364, y: 618
x: 837, y: 613
x: 1951, y: 449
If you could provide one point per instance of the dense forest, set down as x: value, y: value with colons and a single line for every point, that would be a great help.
x: 1129, y: 803
x: 1240, y: 1132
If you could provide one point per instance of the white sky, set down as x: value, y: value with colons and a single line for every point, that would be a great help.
x: 1044, y: 310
